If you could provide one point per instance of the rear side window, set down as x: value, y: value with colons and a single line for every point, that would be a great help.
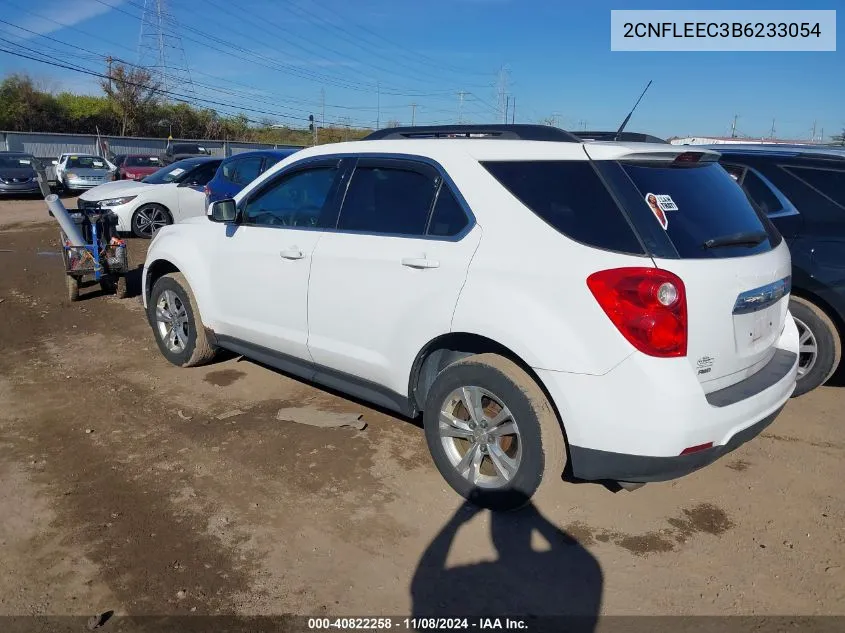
x: 387, y: 200
x: 448, y: 218
x: 708, y: 207
x: 761, y: 194
x: 570, y: 196
x: 248, y: 170
x: 830, y: 182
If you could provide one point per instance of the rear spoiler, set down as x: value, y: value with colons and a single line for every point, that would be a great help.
x: 683, y: 158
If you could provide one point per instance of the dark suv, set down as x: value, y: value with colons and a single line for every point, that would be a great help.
x: 802, y: 190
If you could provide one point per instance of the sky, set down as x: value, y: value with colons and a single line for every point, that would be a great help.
x: 368, y: 61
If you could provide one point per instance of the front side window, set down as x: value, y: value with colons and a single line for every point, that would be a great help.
x: 830, y: 182
x: 388, y: 200
x: 297, y: 200
x: 202, y: 175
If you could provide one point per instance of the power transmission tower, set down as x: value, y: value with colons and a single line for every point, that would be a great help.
x: 413, y: 114
x: 772, y: 135
x: 160, y: 49
x: 461, y: 95
x: 733, y: 126
x: 813, y: 138
x: 502, y: 92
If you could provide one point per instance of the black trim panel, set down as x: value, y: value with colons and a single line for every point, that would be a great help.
x: 333, y: 379
x: 594, y: 465
x: 774, y: 371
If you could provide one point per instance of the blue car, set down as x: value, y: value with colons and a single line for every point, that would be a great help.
x: 237, y: 171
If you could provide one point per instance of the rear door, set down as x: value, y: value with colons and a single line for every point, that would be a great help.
x: 733, y: 262
x: 387, y: 280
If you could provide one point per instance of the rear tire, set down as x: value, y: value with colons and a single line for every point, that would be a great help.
x: 820, y: 347
x: 179, y: 331
x: 72, y: 284
x: 524, y: 457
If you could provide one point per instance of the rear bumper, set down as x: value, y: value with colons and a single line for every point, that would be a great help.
x: 593, y: 464
x: 634, y: 422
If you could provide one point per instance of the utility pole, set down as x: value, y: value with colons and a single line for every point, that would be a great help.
x: 733, y: 126
x: 461, y: 107
x: 109, y: 61
x: 814, y: 132
x: 507, y: 106
x: 378, y: 105
x: 513, y: 112
x: 772, y: 136
x: 322, y: 107
x: 413, y: 114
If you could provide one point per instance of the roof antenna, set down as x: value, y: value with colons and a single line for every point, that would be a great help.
x: 628, y: 118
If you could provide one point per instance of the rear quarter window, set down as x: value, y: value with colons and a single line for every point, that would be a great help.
x: 709, y: 204
x: 570, y: 197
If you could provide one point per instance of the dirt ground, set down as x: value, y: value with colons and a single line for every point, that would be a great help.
x: 134, y: 486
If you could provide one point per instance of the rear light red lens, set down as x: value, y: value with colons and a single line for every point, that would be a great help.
x: 688, y: 157
x: 695, y: 449
x: 647, y: 305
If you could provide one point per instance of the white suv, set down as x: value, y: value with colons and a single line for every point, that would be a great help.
x: 615, y: 310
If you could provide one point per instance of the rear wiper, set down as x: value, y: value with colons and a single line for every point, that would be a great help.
x: 736, y: 239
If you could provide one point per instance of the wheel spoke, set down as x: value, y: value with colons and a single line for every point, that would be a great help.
x: 163, y: 315
x: 503, y: 464
x: 463, y: 466
x: 471, y: 397
x: 508, y: 428
x: 476, y: 465
x: 453, y: 427
x: 807, y: 348
x: 805, y: 336
x: 180, y: 336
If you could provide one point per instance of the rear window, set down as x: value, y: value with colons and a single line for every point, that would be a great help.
x: 570, y: 196
x: 700, y: 204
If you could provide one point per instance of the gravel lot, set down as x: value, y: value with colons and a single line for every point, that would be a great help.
x: 133, y: 486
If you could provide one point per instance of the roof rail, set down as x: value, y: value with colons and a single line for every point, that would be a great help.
x: 519, y: 131
x: 631, y: 137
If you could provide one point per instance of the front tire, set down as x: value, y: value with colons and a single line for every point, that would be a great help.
x: 819, y: 345
x: 148, y: 219
x: 492, y: 433
x: 173, y: 314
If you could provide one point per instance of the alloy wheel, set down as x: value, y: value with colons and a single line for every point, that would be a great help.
x: 172, y: 321
x: 480, y: 437
x: 808, y: 348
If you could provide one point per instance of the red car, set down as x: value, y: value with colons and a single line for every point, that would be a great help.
x: 137, y: 166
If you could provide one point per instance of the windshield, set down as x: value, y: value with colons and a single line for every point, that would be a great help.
x: 142, y: 161
x: 86, y: 162
x: 172, y: 173
x: 699, y: 207
x: 182, y: 148
x: 16, y: 162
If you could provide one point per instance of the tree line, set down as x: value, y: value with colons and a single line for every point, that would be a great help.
x: 133, y: 104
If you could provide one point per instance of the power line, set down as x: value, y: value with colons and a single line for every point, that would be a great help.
x: 175, y: 96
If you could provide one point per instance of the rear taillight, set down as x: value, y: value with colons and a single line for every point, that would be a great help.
x: 647, y: 305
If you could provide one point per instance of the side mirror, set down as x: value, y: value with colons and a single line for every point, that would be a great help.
x: 223, y: 211
x: 54, y: 162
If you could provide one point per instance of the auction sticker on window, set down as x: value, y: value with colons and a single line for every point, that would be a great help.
x: 660, y: 204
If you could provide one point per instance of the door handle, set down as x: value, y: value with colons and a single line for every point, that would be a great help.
x: 420, y: 262
x: 292, y: 253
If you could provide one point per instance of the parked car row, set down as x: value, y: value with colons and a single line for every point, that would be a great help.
x: 612, y: 311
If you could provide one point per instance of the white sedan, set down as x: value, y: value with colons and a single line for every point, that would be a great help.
x: 170, y: 195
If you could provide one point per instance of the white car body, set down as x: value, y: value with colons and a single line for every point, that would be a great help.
x: 370, y: 307
x: 126, y: 197
x: 83, y: 182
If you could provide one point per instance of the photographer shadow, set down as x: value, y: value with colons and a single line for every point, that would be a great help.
x: 528, y: 584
